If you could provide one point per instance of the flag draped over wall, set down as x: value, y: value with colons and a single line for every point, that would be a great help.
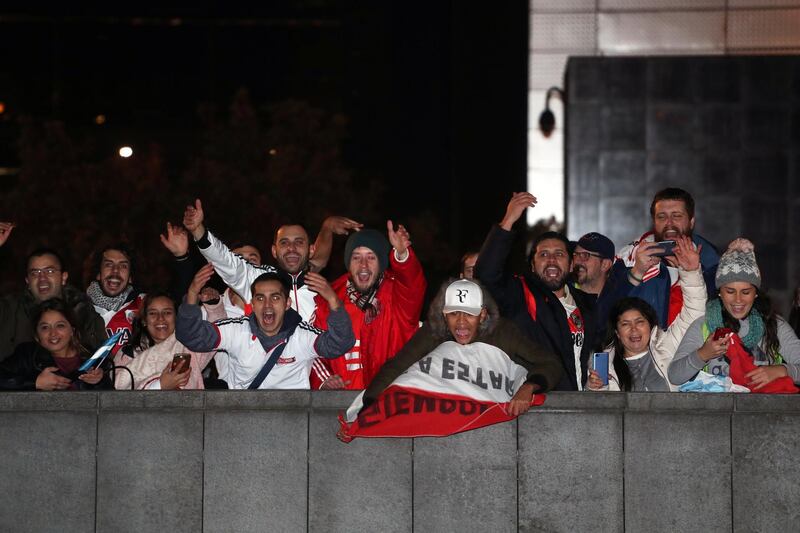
x: 455, y: 388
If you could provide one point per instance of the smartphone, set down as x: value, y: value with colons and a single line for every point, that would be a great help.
x: 600, y: 365
x: 178, y: 357
x: 721, y: 332
x: 668, y: 248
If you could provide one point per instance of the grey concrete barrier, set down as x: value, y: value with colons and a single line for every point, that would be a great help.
x: 270, y: 461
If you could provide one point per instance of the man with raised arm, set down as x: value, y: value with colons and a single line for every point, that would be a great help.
x: 272, y: 348
x: 382, y: 292
x: 540, y: 302
x: 291, y: 249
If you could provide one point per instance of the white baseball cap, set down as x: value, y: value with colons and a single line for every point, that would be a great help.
x: 463, y: 295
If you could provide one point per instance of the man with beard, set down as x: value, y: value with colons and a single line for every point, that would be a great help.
x: 45, y: 278
x: 112, y: 292
x: 592, y: 261
x: 559, y: 317
x: 291, y: 249
x: 382, y: 292
x: 640, y: 272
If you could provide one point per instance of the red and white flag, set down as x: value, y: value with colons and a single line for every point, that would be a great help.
x: 455, y: 388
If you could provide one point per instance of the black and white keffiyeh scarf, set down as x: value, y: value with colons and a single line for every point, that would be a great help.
x: 111, y: 303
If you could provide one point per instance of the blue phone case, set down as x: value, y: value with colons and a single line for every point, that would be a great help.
x: 600, y: 365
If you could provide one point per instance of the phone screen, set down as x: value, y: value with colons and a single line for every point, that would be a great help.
x: 600, y: 365
x: 667, y: 249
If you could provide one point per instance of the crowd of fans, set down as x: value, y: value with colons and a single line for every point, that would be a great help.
x: 666, y: 308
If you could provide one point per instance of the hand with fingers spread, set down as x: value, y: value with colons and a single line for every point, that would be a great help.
x: 176, y: 240
x: 335, y: 382
x: 193, y: 218
x: 686, y: 254
x: 763, y: 375
x: 198, y: 282
x: 49, y: 380
x: 5, y: 231
x: 175, y: 379
x: 519, y: 202
x: 92, y: 377
x: 399, y: 239
x: 318, y: 283
x: 341, y: 225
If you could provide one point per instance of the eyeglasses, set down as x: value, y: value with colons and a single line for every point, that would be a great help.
x: 36, y: 272
x: 584, y: 256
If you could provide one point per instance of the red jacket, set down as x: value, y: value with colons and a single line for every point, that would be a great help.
x: 400, y: 301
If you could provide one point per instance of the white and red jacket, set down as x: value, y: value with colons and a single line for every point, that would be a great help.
x: 238, y: 274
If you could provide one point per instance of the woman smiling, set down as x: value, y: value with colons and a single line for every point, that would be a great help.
x: 742, y: 309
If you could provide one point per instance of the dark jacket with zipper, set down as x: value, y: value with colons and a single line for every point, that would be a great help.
x: 549, y: 326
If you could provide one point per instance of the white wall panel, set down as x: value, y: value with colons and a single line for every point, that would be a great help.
x: 699, y: 32
x: 763, y: 3
x: 769, y: 28
x: 666, y: 5
x: 546, y: 70
x: 548, y: 188
x: 563, y: 6
x: 563, y: 32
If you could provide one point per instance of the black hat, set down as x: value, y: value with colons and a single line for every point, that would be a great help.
x: 369, y: 238
x: 597, y: 243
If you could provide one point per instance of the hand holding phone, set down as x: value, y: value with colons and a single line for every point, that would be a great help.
x: 181, y: 360
x: 600, y: 365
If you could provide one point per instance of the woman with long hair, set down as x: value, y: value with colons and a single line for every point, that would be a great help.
x: 153, y: 368
x: 51, y: 362
x: 639, y: 351
x: 744, y: 309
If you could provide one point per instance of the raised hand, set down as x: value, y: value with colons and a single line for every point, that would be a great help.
x: 176, y: 240
x: 686, y: 255
x: 519, y: 202
x: 645, y: 259
x: 5, y: 231
x: 399, y: 239
x: 193, y: 218
x: 341, y: 225
x: 318, y: 283
x: 198, y: 282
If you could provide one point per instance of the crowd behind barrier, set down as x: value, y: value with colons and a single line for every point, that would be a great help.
x: 666, y: 312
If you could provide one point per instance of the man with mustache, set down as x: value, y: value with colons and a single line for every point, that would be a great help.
x: 560, y: 317
x: 290, y: 249
x: 45, y: 278
x: 114, y: 297
x: 592, y: 261
x: 382, y: 292
x: 640, y: 272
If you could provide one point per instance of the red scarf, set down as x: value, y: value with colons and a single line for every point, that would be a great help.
x: 741, y: 363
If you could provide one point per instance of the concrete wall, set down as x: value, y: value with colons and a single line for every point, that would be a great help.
x: 270, y: 461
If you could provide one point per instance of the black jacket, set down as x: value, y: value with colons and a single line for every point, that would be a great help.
x: 20, y: 370
x: 16, y: 315
x: 550, y: 327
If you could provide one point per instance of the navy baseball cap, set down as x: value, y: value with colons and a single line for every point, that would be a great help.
x: 597, y: 243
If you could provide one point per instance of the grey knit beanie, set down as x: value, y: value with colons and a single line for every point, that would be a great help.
x: 372, y: 239
x: 738, y: 263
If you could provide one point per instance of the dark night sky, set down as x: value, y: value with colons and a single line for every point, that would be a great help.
x: 436, y: 92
